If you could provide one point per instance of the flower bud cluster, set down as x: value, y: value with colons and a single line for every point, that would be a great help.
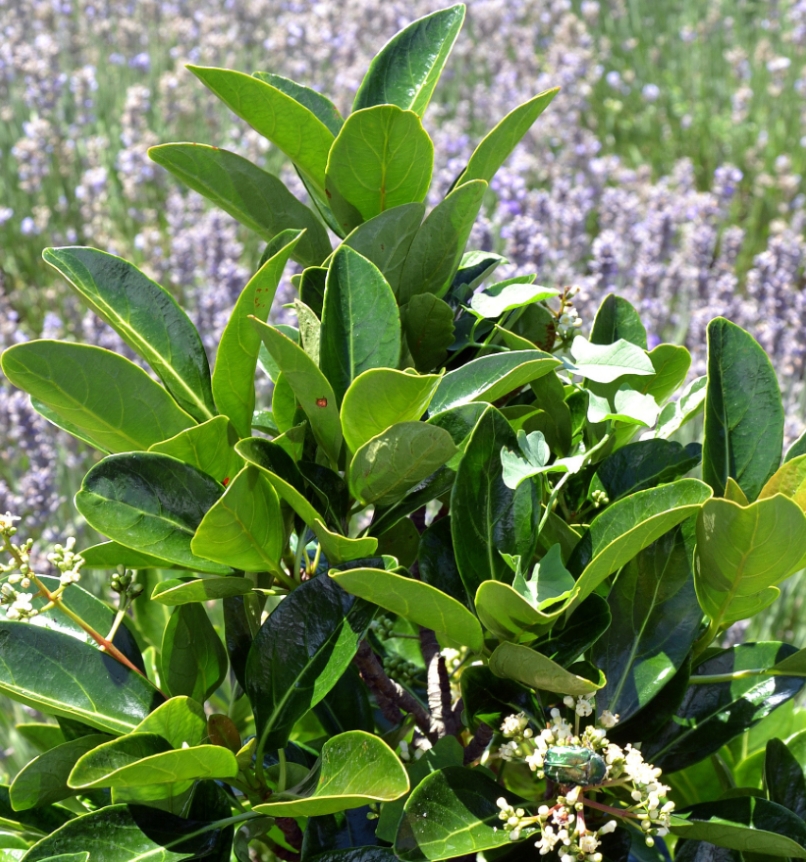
x: 599, y: 498
x: 123, y: 582
x: 400, y: 669
x: 67, y: 562
x: 382, y: 626
x: 561, y: 827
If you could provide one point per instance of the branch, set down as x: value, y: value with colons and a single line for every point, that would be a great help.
x: 476, y: 747
x: 439, y: 686
x: 391, y: 696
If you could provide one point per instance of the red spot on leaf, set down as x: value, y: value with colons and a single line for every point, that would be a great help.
x: 321, y: 402
x: 226, y: 481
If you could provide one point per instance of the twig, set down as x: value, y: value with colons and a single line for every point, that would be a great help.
x: 439, y: 686
x: 476, y: 747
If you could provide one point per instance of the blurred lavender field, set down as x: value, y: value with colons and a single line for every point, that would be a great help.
x: 669, y: 167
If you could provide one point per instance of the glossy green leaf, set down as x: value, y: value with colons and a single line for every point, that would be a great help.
x: 314, y: 101
x: 311, y: 287
x: 675, y: 414
x: 437, y: 561
x: 346, y: 706
x: 183, y: 592
x: 549, y: 582
x: 285, y: 122
x: 336, y: 548
x: 744, y: 416
x: 254, y: 197
x: 385, y: 239
x: 194, y: 661
x: 416, y: 601
x: 238, y: 348
x: 784, y: 779
x: 59, y: 675
x: 360, y: 321
x: 711, y: 714
x: 507, y: 614
x: 180, y: 720
x: 284, y: 404
x: 135, y: 833
x: 110, y: 400
x: 743, y: 552
x: 314, y: 393
x: 243, y: 529
x: 150, y: 502
x: 490, y: 377
x: 380, y: 398
x: 146, y: 317
x: 566, y: 643
x: 490, y: 699
x: 748, y: 824
x: 437, y: 248
x: 428, y: 330
x: 617, y: 319
x: 500, y: 141
x: 110, y: 555
x: 628, y: 407
x: 643, y: 465
x: 605, y: 363
x: 208, y: 447
x: 397, y: 459
x: 452, y: 812
x: 656, y: 619
x: 790, y: 480
x: 382, y: 158
x: 146, y: 758
x: 355, y: 768
x: 629, y: 526
x: 524, y: 665
x: 496, y: 299
x: 487, y: 517
x: 300, y: 653
x: 43, y: 781
x: 406, y: 70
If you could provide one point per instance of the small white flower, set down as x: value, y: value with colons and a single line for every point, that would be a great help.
x: 608, y: 719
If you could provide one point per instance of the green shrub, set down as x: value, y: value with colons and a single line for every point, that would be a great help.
x: 456, y: 592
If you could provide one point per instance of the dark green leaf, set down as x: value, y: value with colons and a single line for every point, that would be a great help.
x: 152, y: 503
x: 428, y: 329
x: 438, y: 562
x: 146, y: 317
x: 783, y: 778
x: 241, y: 620
x: 110, y: 400
x: 643, y: 465
x: 474, y: 268
x: 436, y: 250
x: 279, y: 117
x: 110, y: 555
x: 62, y: 676
x: 254, y: 197
x: 329, y: 835
x: 615, y: 319
x: 300, y: 653
x: 406, y: 70
x: 314, y: 101
x: 312, y: 288
x: 490, y: 699
x: 360, y: 321
x: 588, y: 622
x: 744, y: 417
x: 346, y: 706
x: 194, y: 661
x: 711, y: 714
x: 703, y: 851
x: 487, y: 517
x: 382, y: 158
x: 451, y: 813
x: 656, y: 619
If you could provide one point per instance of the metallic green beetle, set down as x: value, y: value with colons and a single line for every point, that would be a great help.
x: 574, y: 764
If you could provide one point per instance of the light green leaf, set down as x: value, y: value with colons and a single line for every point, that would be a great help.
x: 629, y: 406
x: 507, y: 614
x: 315, y: 102
x: 355, y: 768
x: 314, y: 393
x: 428, y: 330
x: 280, y: 118
x: 490, y: 377
x: 60, y: 675
x: 208, y: 447
x: 416, y: 601
x: 675, y: 414
x: 744, y: 416
x: 789, y: 479
x: 391, y: 463
x: 309, y: 329
x: 179, y: 720
x: 382, y: 397
x: 385, y: 239
x: 360, y: 321
x: 604, y: 363
x: 474, y: 267
x: 146, y: 317
x: 146, y: 758
x: 550, y: 581
x: 531, y: 459
x: 257, y: 199
x: 437, y: 248
x: 616, y: 319
x: 43, y: 781
x: 243, y: 529
x: 524, y: 665
x: 152, y: 503
x: 182, y: 592
x: 500, y: 141
x: 743, y: 551
x: 110, y: 555
x: 503, y: 296
x: 236, y: 357
x: 382, y: 158
x: 629, y: 526
x: 406, y: 70
x: 107, y: 398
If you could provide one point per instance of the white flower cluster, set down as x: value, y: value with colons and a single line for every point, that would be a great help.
x: 569, y: 322
x: 633, y: 784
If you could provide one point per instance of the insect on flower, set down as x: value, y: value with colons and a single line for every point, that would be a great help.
x: 574, y: 764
